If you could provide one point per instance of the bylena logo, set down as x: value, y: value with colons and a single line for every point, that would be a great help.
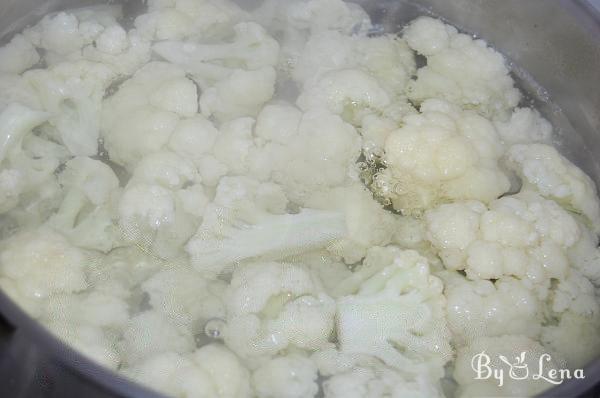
x: 519, y: 369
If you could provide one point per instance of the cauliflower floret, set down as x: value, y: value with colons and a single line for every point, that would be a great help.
x: 574, y: 327
x: 290, y: 376
x: 543, y: 169
x: 150, y: 333
x: 247, y: 220
x: 210, y: 372
x: 320, y: 154
x: 320, y: 15
x: 442, y: 154
x: 243, y: 93
x: 157, y: 211
x: 459, y: 69
x: 482, y: 308
x: 525, y: 126
x: 346, y: 92
x: 194, y: 138
x: 367, y: 223
x: 42, y: 263
x: 387, y: 58
x: 72, y: 93
x: 21, y: 173
x: 584, y: 255
x: 398, y: 310
x: 381, y: 381
x: 181, y: 19
x: 251, y: 48
x: 273, y: 306
x: 185, y: 297
x: 18, y: 55
x: 524, y: 235
x: 146, y: 110
x: 87, y: 214
x: 88, y: 340
x: 503, y: 349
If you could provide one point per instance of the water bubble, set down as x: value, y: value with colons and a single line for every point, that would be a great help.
x: 214, y: 328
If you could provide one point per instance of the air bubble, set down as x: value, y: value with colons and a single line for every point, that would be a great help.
x: 215, y: 328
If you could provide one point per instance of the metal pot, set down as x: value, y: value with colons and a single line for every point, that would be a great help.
x: 557, y: 41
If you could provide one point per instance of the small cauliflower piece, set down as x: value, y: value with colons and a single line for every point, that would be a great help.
x: 482, y: 308
x: 523, y: 235
x: 247, y: 220
x: 543, y: 169
x: 87, y: 215
x: 243, y: 93
x: 18, y: 55
x: 525, y: 126
x: 185, y: 297
x: 141, y: 116
x: 183, y: 19
x: 194, y: 138
x: 290, y: 376
x: 72, y: 93
x: 345, y: 92
x: 273, y: 306
x: 251, y: 48
x: 150, y: 333
x: 210, y: 372
x: 42, y: 263
x: 442, y: 154
x: 398, y: 310
x: 375, y: 382
x: 320, y: 155
x: 157, y: 211
x: 460, y: 69
x: 367, y: 223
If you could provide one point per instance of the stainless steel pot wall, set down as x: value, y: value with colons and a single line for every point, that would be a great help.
x: 557, y: 41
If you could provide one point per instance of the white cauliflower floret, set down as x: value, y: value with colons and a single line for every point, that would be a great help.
x: 398, y: 310
x: 88, y: 340
x: 500, y: 349
x: 146, y: 110
x: 210, y: 372
x: 525, y: 126
x: 72, y: 93
x: 386, y: 58
x: 273, y: 306
x: 243, y: 93
x: 158, y: 212
x: 251, y: 48
x: 345, y: 92
x: 182, y: 19
x: 234, y: 144
x: 320, y: 15
x: 290, y: 376
x: 584, y: 255
x: 43, y: 263
x: 247, y: 220
x: 18, y: 55
x: 543, y: 169
x: 87, y: 213
x: 21, y: 172
x: 459, y: 69
x: 482, y: 308
x: 185, y: 297
x: 523, y: 235
x: 573, y: 331
x: 376, y: 382
x: 194, y: 138
x: 442, y: 154
x: 320, y: 155
x: 367, y: 223
x: 150, y: 333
